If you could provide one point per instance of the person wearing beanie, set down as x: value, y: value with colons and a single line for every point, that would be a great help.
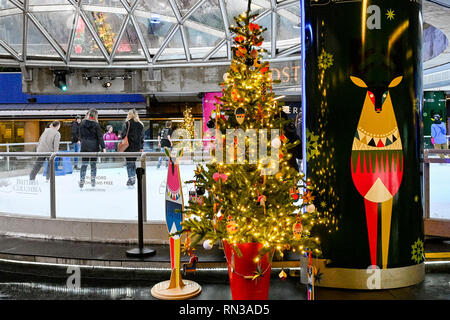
x: 438, y: 134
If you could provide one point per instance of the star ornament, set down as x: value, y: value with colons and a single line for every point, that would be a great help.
x: 390, y: 14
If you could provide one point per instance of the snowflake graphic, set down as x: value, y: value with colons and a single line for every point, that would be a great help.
x: 390, y: 14
x: 318, y: 276
x: 312, y: 144
x: 417, y: 251
x: 325, y: 60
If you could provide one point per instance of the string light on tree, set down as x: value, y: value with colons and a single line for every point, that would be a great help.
x: 253, y: 207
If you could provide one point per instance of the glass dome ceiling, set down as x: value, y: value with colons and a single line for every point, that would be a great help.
x: 138, y: 33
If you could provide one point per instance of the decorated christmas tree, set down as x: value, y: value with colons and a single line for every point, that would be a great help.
x: 241, y: 199
x: 104, y: 30
x: 188, y: 123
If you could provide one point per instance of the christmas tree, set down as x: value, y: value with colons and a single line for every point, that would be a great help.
x: 104, y: 30
x: 251, y: 201
x: 188, y: 123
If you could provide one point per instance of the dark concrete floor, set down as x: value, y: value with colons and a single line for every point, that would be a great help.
x: 17, y: 284
x: 117, y: 252
x: 435, y: 287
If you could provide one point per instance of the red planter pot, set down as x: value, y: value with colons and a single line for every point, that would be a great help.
x: 241, y: 284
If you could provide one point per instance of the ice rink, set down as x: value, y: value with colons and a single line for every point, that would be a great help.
x: 110, y: 199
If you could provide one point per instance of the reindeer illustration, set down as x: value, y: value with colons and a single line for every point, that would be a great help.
x: 377, y: 162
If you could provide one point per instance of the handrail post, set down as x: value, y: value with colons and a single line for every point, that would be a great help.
x: 140, y: 251
x: 144, y: 187
x: 51, y: 167
x: 7, y: 158
x: 426, y: 184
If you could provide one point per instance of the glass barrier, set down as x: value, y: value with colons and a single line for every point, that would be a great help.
x: 100, y: 188
x: 24, y: 188
x: 97, y: 190
x: 156, y: 175
x: 440, y: 190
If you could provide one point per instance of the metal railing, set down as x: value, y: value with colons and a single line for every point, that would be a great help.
x: 427, y: 141
x: 68, y: 144
x: 147, y: 145
x: 141, y: 157
x: 8, y: 146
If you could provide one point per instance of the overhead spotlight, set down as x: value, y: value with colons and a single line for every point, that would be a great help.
x: 60, y: 80
x: 107, y: 84
x: 87, y: 78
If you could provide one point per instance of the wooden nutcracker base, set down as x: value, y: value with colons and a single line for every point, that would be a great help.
x: 189, y: 290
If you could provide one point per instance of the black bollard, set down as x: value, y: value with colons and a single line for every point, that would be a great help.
x: 140, y: 251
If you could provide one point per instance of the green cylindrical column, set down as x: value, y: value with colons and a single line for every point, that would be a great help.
x: 362, y: 100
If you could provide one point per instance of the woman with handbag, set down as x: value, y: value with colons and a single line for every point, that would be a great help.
x: 91, y: 138
x: 133, y: 135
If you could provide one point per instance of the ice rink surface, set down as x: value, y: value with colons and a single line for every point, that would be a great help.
x: 110, y: 199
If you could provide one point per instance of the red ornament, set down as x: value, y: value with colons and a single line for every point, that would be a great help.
x: 239, y: 39
x: 295, y: 193
x: 253, y: 27
x: 264, y: 70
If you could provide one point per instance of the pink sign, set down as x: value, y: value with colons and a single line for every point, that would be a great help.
x: 209, y: 104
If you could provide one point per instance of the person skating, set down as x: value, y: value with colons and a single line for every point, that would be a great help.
x: 91, y: 137
x: 133, y: 128
x: 110, y: 136
x: 76, y: 143
x: 48, y: 142
x: 164, y: 140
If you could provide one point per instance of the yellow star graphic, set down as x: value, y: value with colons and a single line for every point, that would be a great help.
x: 390, y: 14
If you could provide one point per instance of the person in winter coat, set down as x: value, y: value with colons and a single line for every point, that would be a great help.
x: 110, y: 136
x: 291, y: 134
x: 76, y: 139
x: 165, y: 141
x: 133, y: 128
x: 91, y: 137
x: 438, y: 134
x: 48, y: 142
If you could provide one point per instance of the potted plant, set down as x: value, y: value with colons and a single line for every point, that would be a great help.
x: 256, y: 207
